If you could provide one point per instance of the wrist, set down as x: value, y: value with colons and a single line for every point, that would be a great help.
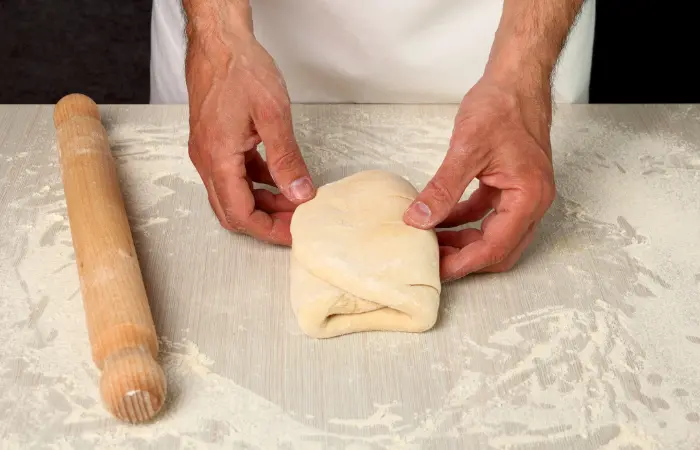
x: 525, y: 79
x: 521, y: 69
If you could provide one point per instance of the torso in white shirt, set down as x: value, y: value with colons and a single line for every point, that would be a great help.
x: 393, y: 51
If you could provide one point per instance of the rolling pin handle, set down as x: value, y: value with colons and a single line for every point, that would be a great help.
x: 133, y: 384
x: 74, y: 105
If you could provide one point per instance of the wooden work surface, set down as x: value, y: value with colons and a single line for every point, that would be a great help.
x: 592, y: 341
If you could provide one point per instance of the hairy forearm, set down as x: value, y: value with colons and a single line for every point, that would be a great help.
x: 217, y: 18
x: 215, y: 28
x: 530, y: 38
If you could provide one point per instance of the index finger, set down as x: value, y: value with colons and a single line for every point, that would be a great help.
x: 503, y: 230
x: 237, y: 202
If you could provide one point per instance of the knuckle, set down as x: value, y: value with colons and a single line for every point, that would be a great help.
x: 287, y: 161
x: 465, y: 136
x: 549, y: 193
x: 496, y: 255
x: 506, y: 265
x: 222, y: 168
x: 466, y: 128
x: 225, y: 224
x: 274, y: 110
x: 545, y: 187
x: 193, y: 154
x: 203, y: 141
x: 540, y: 184
x: 231, y: 223
x: 223, y: 220
x: 440, y: 192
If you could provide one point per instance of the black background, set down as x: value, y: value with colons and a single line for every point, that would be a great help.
x: 644, y: 52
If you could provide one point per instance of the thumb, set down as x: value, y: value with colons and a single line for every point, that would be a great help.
x: 283, y: 157
x: 442, y: 192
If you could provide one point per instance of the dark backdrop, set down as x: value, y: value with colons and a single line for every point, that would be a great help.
x: 50, y: 48
x: 644, y: 52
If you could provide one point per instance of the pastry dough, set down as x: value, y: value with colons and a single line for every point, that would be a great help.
x: 356, y: 266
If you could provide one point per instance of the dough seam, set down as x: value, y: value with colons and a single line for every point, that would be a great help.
x: 357, y: 266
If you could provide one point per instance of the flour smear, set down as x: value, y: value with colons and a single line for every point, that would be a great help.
x: 603, y: 356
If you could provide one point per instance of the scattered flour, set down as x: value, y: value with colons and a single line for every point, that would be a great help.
x: 604, y: 354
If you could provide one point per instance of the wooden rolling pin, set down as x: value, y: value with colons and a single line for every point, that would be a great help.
x: 120, y: 326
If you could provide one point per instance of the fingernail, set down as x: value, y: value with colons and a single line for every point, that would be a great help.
x: 301, y: 189
x: 419, y: 212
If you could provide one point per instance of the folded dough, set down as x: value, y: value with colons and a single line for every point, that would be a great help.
x: 356, y: 266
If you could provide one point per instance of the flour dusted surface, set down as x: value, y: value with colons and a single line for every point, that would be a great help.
x: 591, y: 342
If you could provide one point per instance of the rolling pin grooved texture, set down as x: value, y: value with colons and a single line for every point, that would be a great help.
x: 120, y: 327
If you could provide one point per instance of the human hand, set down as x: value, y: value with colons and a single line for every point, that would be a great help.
x: 238, y: 99
x: 501, y: 137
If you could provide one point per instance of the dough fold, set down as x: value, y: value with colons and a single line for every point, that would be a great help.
x: 356, y: 266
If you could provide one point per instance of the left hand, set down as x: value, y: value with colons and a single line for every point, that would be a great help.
x: 501, y: 137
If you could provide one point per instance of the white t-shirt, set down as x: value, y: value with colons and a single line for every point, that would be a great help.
x: 368, y: 51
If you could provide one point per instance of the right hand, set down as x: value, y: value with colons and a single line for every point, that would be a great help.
x: 237, y: 100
